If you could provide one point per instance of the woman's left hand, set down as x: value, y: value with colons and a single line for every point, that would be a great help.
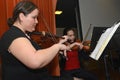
x: 63, y: 40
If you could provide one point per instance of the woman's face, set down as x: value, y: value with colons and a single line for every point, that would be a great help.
x: 30, y: 21
x: 71, y: 35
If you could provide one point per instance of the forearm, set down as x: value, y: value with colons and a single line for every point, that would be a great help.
x: 46, y: 55
x: 72, y: 45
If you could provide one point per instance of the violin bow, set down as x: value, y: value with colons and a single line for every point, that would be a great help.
x: 48, y: 28
x: 87, y: 33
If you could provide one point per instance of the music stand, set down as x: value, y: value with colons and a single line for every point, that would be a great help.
x: 97, y: 31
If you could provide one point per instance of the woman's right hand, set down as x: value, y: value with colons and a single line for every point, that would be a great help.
x: 63, y: 49
x: 62, y: 46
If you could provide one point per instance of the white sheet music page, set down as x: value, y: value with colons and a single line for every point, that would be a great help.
x: 103, y: 41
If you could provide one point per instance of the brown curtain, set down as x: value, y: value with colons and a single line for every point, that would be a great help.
x: 6, y: 7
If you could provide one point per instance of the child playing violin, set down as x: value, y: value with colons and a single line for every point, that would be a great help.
x: 72, y: 65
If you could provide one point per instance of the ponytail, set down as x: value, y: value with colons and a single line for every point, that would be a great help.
x: 10, y: 22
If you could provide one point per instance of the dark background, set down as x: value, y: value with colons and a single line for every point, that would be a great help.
x: 67, y: 18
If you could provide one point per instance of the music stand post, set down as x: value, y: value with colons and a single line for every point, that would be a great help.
x: 106, y: 66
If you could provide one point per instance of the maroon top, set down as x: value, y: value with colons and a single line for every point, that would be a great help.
x: 72, y: 61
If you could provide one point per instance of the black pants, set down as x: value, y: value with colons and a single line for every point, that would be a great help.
x: 62, y: 77
x: 81, y: 73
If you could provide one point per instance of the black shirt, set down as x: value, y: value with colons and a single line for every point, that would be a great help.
x: 12, y: 68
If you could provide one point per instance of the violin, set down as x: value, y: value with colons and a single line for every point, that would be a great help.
x: 86, y: 45
x: 45, y: 39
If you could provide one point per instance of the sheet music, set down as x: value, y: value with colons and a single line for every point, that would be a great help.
x: 103, y: 41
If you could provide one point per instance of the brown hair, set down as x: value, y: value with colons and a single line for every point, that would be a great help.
x: 24, y: 7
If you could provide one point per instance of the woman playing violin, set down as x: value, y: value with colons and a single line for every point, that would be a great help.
x: 72, y: 65
x: 22, y: 58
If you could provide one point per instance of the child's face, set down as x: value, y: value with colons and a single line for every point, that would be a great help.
x: 71, y: 35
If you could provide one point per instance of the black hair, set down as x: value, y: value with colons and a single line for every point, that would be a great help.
x: 24, y: 7
x: 68, y: 29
